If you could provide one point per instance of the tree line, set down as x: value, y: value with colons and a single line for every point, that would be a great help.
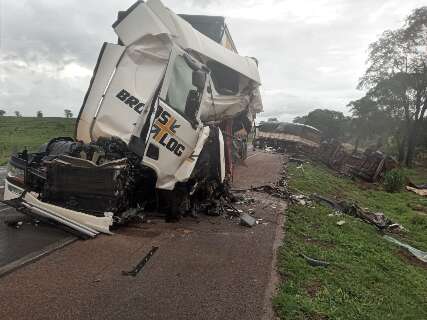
x: 393, y: 110
x: 39, y: 114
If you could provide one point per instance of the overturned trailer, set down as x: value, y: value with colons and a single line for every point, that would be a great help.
x: 287, y: 137
x: 370, y: 165
x: 149, y: 135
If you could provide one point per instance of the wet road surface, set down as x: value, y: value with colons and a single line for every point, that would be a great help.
x: 29, y: 239
x: 205, y: 268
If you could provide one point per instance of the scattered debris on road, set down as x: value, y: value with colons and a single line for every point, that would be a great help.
x: 247, y: 220
x: 141, y: 264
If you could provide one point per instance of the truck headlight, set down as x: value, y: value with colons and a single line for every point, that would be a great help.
x: 13, y: 171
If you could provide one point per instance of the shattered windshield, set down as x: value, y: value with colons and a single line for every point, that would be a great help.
x: 180, y: 85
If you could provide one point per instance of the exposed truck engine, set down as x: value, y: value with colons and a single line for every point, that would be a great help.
x: 153, y: 132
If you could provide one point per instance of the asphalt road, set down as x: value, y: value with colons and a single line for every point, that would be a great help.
x: 206, y: 268
x: 24, y: 241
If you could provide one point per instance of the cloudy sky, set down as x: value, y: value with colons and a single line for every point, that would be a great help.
x: 311, y: 52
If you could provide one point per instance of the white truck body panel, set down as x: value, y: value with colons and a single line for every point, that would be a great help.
x: 89, y: 224
x: 139, y: 69
x: 11, y: 191
x: 154, y: 18
x: 170, y: 161
x: 125, y: 87
x: 109, y: 57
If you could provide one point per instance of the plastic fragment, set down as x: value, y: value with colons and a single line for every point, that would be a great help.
x: 315, y: 262
x: 420, y: 255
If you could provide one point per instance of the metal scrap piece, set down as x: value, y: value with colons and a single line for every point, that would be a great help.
x: 141, y: 264
x: 420, y: 255
x: 314, y: 262
x: 247, y: 220
x: 377, y: 219
x: 421, y: 192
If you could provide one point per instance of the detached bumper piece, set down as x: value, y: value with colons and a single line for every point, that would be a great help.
x: 86, y: 225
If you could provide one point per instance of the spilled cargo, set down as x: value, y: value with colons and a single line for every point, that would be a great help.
x: 299, y: 139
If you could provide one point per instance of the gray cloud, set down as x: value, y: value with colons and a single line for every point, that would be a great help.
x: 41, y: 39
x: 311, y: 53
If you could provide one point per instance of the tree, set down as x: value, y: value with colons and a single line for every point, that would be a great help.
x: 18, y: 114
x: 2, y: 113
x: 39, y: 114
x: 68, y: 113
x: 397, y: 76
x: 388, y: 96
x: 331, y: 123
x: 424, y: 134
x: 368, y: 121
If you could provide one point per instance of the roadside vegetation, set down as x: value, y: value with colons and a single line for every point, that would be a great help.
x: 392, y: 116
x: 16, y: 133
x: 368, y: 277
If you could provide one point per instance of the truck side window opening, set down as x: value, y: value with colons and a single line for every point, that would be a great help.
x: 226, y: 80
x: 180, y: 86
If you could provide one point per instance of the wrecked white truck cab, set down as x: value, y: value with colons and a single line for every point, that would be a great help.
x: 148, y: 134
x: 151, y: 100
x: 156, y: 69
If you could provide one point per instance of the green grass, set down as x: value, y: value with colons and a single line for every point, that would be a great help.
x: 17, y: 133
x: 369, y: 278
x: 418, y: 175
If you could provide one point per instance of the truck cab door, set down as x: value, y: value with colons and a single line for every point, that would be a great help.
x: 175, y: 125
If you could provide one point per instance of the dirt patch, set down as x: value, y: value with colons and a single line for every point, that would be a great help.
x: 317, y: 316
x: 313, y: 288
x: 409, y: 258
x: 418, y: 207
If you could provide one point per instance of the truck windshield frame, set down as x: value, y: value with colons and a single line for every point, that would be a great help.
x: 178, y: 86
